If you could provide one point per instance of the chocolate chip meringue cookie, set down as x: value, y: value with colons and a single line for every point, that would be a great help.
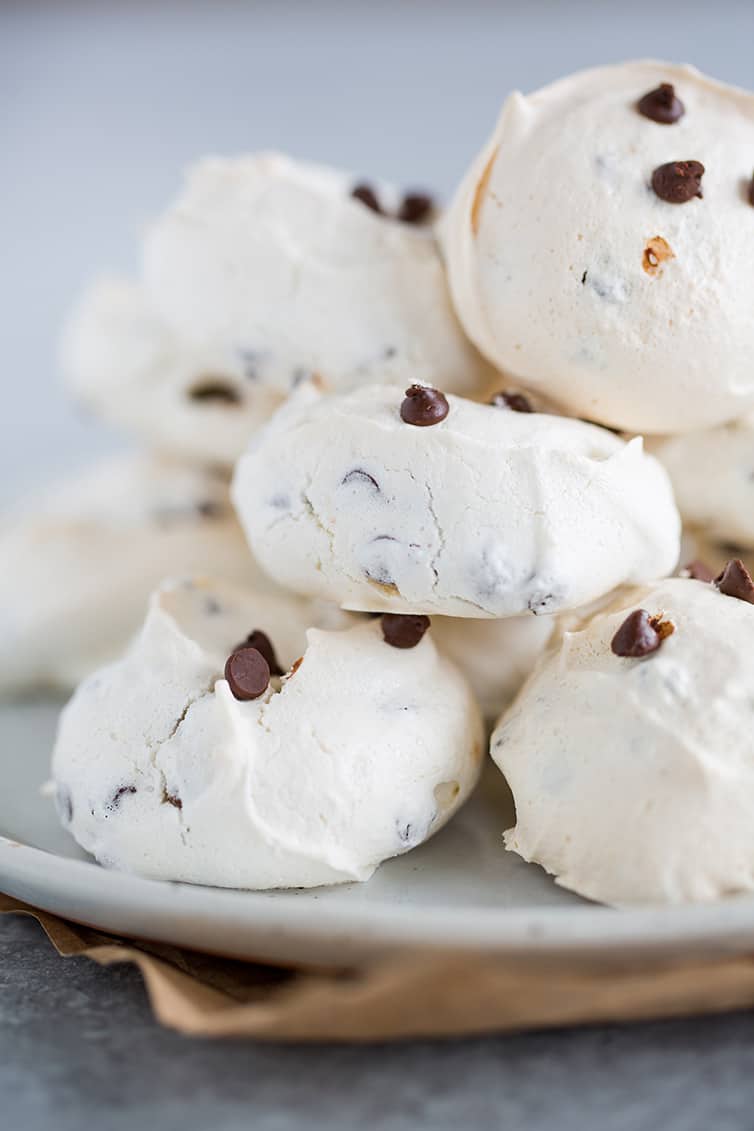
x: 299, y: 271
x: 77, y: 565
x: 435, y: 504
x: 601, y: 247
x: 198, y: 399
x: 496, y: 656
x: 188, y: 759
x: 630, y: 752
x: 712, y: 472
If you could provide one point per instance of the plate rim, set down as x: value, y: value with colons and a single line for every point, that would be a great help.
x: 256, y: 922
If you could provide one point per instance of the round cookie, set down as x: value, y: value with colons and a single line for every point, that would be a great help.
x: 487, y: 512
x: 281, y: 263
x: 78, y: 565
x: 590, y: 256
x: 630, y: 753
x: 167, y: 767
x: 496, y: 656
x: 712, y: 472
x: 199, y: 400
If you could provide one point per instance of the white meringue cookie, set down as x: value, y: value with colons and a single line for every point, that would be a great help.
x: 496, y: 656
x: 712, y: 472
x: 276, y: 260
x: 77, y: 567
x: 568, y: 271
x: 359, y: 754
x: 197, y: 400
x: 634, y: 778
x: 489, y: 513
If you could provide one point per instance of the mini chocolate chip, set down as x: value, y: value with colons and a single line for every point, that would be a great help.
x: 515, y: 401
x: 678, y: 181
x: 661, y: 105
x: 637, y: 636
x: 358, y: 475
x: 583, y: 278
x: 120, y: 794
x: 698, y: 571
x: 64, y: 803
x: 210, y: 509
x: 735, y: 581
x: 424, y: 406
x: 217, y: 391
x: 172, y: 799
x: 401, y: 631
x: 261, y: 641
x: 366, y: 195
x: 416, y: 207
x: 247, y: 673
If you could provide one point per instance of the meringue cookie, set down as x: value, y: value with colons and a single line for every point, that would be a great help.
x: 712, y: 472
x: 569, y: 271
x: 362, y: 752
x: 486, y: 514
x: 77, y: 567
x: 634, y: 778
x: 496, y: 656
x: 197, y: 400
x: 277, y: 260
x: 697, y: 548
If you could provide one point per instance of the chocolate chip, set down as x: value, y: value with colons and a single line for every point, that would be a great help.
x: 661, y: 105
x: 678, y: 181
x: 64, y: 803
x: 261, y: 641
x: 208, y: 508
x: 698, y: 571
x: 247, y: 673
x: 366, y: 195
x: 171, y: 799
x: 735, y: 581
x: 515, y: 401
x: 358, y: 475
x: 416, y: 207
x: 424, y: 406
x: 119, y: 794
x: 637, y: 636
x: 401, y: 631
x: 214, y: 391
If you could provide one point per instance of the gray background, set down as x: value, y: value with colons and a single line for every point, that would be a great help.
x: 101, y: 107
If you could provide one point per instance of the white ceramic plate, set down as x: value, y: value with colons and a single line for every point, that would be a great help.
x: 461, y: 890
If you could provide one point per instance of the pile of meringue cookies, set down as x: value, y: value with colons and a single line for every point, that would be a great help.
x: 408, y: 476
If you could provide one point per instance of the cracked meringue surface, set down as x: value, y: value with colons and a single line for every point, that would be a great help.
x: 633, y: 778
x: 571, y: 273
x: 488, y: 513
x: 358, y: 754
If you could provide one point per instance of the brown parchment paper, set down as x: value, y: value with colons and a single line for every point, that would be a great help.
x: 413, y: 997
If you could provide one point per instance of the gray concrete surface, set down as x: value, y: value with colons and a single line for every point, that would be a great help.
x: 78, y: 1049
